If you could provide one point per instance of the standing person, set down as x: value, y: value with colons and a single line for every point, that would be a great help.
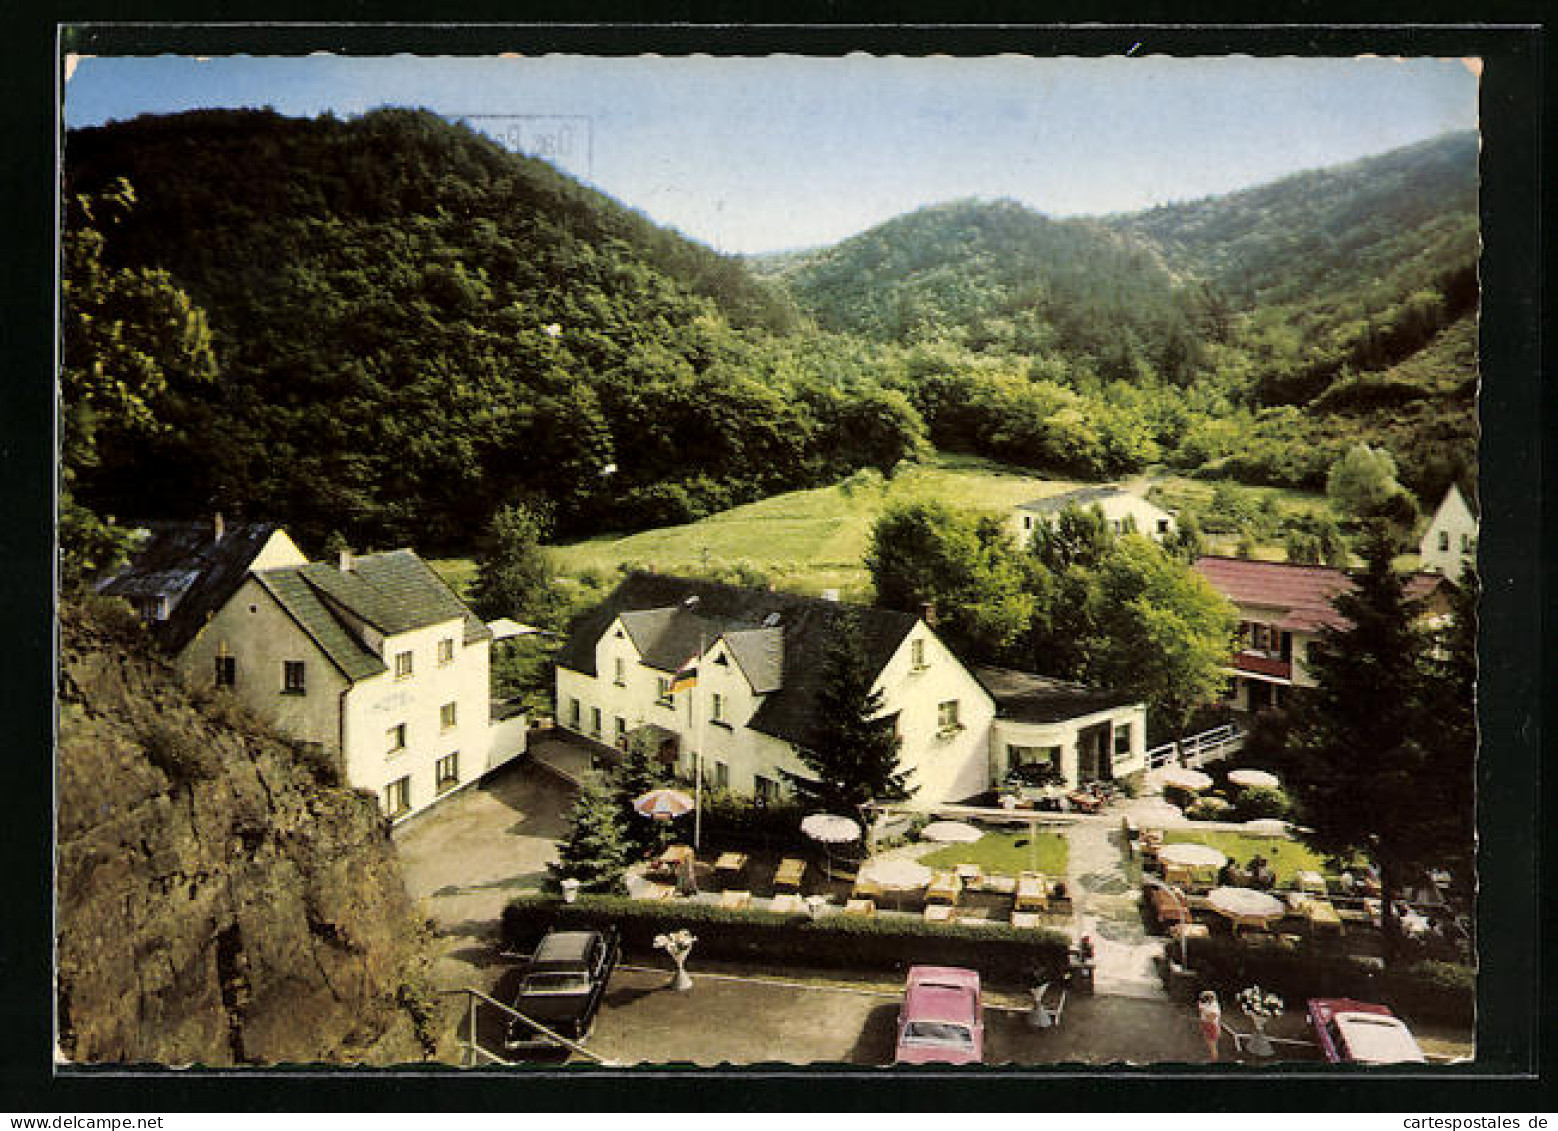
x: 1210, y: 1015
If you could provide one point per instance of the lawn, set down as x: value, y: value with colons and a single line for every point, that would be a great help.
x: 1285, y: 856
x: 1174, y: 492
x: 808, y: 541
x: 1006, y: 853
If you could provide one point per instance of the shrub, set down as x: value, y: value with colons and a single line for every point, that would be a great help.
x: 1261, y: 802
x: 744, y: 820
x: 1209, y: 809
x: 1440, y: 992
x: 1001, y: 953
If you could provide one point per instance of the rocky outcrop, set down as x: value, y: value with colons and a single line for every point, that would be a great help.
x: 220, y: 899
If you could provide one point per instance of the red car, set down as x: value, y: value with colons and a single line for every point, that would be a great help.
x: 941, y: 1020
x: 1360, y: 1032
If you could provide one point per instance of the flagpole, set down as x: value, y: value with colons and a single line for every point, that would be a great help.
x: 697, y: 812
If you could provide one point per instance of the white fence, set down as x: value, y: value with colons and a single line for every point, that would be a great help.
x: 1198, y: 749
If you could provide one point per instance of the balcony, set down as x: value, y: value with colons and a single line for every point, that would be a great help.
x: 1263, y: 663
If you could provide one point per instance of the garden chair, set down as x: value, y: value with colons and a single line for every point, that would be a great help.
x: 940, y: 913
x: 862, y: 907
x: 1046, y: 1016
x: 790, y: 873
x: 1032, y: 892
x: 944, y: 888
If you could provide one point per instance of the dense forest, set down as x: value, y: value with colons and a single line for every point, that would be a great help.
x: 412, y: 327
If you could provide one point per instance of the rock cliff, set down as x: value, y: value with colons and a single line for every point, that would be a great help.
x: 220, y: 899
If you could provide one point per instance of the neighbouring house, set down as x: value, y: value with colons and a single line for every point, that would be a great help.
x: 1282, y: 607
x: 759, y: 662
x: 373, y: 660
x: 1122, y: 511
x: 1449, y: 544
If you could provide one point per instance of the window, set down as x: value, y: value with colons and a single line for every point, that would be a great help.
x: 917, y: 655
x: 395, y: 738
x: 446, y: 650
x: 721, y: 776
x: 397, y: 797
x: 717, y: 708
x: 1444, y: 539
x: 1122, y: 740
x: 1027, y: 522
x: 446, y: 717
x: 620, y: 670
x: 595, y: 721
x: 621, y: 727
x: 663, y: 691
x: 573, y: 713
x: 293, y: 678
x: 1163, y: 525
x: 446, y: 772
x: 226, y: 670
x: 1465, y: 543
x: 947, y: 717
x: 766, y: 790
x: 402, y: 665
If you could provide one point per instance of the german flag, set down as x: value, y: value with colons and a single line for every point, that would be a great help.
x: 685, y: 676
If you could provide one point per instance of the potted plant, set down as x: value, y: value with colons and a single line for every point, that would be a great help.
x: 1259, y: 1007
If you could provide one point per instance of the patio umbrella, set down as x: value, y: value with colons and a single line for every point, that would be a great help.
x: 662, y: 804
x: 1267, y: 826
x: 1181, y: 778
x: 1191, y: 855
x: 829, y: 829
x: 1253, y: 779
x: 951, y: 832
x: 1244, y: 903
x: 896, y: 874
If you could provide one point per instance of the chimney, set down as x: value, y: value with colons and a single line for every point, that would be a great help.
x: 218, y: 527
x: 928, y: 613
x: 345, y: 562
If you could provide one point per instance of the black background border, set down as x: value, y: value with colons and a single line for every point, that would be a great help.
x: 1512, y: 996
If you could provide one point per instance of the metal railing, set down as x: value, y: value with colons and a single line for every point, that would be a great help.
x: 473, y: 1048
x: 1197, y: 749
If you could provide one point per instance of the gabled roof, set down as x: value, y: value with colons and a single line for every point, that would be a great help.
x: 394, y: 592
x: 1029, y: 698
x: 671, y: 634
x: 185, y: 560
x: 1301, y: 594
x: 1082, y: 497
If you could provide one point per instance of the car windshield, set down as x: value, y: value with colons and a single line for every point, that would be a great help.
x: 561, y: 983
x: 938, y: 1033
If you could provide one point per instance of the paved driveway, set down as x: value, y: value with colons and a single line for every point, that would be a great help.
x: 468, y: 856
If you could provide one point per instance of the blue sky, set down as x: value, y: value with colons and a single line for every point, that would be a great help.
x: 763, y: 154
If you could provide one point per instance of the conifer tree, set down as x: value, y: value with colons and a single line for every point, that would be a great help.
x: 639, y: 772
x: 1362, y: 763
x: 854, y: 750
x: 595, y: 851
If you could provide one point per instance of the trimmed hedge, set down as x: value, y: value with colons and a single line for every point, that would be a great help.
x: 1432, y: 991
x: 1001, y: 953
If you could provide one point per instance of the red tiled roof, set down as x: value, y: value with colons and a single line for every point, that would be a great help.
x: 1303, y: 593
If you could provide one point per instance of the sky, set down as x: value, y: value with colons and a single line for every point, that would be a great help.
x: 766, y: 154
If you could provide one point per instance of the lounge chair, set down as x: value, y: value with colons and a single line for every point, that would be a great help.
x: 940, y: 913
x: 862, y: 907
x: 944, y: 888
x: 1032, y: 892
x: 790, y: 873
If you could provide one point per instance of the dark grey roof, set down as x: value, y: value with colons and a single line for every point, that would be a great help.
x: 394, y: 592
x: 760, y: 652
x: 185, y: 558
x: 501, y: 710
x: 805, y: 624
x: 1028, y: 698
x: 303, y: 603
x: 1081, y: 497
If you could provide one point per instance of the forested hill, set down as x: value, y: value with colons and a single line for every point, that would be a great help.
x: 995, y: 275
x: 412, y: 325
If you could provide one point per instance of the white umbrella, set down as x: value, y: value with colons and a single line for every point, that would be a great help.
x: 1188, y: 854
x: 1244, y: 903
x: 662, y: 804
x: 951, y: 832
x: 1267, y: 826
x: 829, y: 828
x: 1181, y: 778
x: 1253, y: 779
x: 896, y: 874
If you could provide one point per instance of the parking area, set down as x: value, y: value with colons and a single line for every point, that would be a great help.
x: 730, y: 1017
